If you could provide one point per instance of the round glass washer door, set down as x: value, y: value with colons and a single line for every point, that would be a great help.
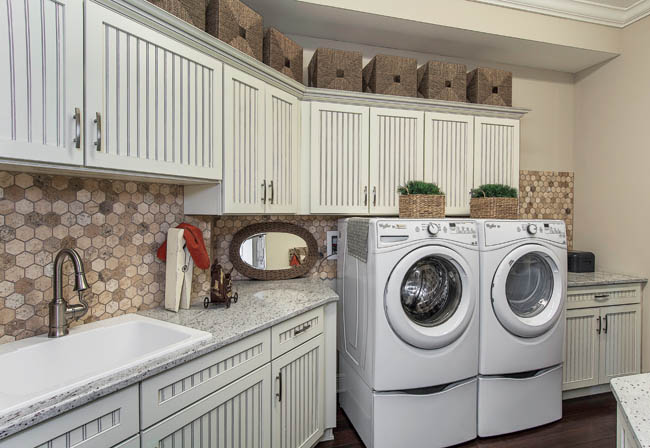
x: 527, y: 290
x: 428, y: 298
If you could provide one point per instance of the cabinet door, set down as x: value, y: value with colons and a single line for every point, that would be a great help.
x: 339, y: 159
x: 298, y: 399
x: 282, y: 138
x: 397, y: 142
x: 448, y: 158
x: 620, y: 341
x: 581, y: 348
x: 153, y: 103
x: 237, y: 415
x: 244, y: 186
x: 496, y: 153
x: 41, y: 80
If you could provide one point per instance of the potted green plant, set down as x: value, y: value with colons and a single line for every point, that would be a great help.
x: 494, y: 201
x: 420, y: 199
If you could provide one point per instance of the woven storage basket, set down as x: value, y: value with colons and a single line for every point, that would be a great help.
x: 335, y: 69
x: 443, y: 81
x: 236, y: 24
x: 422, y: 206
x: 191, y: 11
x: 391, y: 75
x: 494, y: 208
x: 489, y: 86
x: 283, y: 54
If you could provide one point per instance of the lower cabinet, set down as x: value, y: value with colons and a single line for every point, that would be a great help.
x: 602, y: 342
x: 298, y: 399
x: 624, y: 433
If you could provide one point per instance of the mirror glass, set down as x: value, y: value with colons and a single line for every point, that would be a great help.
x: 271, y: 251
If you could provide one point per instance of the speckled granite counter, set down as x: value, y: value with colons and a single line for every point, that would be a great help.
x: 633, y: 395
x: 578, y: 280
x: 260, y: 306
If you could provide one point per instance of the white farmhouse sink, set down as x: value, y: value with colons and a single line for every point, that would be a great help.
x: 38, y: 368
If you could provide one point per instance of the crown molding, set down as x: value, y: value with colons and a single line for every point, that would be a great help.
x: 582, y: 10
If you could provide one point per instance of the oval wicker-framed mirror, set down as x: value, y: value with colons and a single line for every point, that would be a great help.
x: 273, y: 251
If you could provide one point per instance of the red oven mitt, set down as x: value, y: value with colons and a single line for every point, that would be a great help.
x: 195, y: 244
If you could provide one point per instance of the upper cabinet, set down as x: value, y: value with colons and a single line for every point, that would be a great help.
x: 41, y: 81
x: 153, y: 104
x: 496, y: 153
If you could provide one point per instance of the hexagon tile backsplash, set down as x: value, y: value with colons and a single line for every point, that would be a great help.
x: 116, y: 227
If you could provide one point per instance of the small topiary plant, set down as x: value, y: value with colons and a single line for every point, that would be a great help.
x: 420, y: 187
x: 494, y: 191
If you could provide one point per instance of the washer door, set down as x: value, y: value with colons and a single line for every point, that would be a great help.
x: 428, y: 300
x: 527, y: 291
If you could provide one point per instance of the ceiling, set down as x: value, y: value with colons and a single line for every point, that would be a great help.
x: 616, y: 13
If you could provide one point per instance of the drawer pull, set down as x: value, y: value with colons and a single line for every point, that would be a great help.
x: 301, y: 330
x: 601, y: 296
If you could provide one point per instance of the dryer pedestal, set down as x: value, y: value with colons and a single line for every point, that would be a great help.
x: 508, y: 404
x: 422, y: 418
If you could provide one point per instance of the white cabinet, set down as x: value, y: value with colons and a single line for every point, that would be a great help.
x: 299, y: 396
x: 496, y: 151
x: 396, y: 156
x: 449, y: 158
x: 339, y: 153
x: 603, y: 335
x: 153, y: 104
x: 41, y: 81
x: 236, y: 416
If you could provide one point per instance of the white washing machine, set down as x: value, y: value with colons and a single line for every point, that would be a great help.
x: 523, y: 291
x: 408, y: 330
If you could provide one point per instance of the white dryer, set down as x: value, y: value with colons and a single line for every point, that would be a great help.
x: 408, y: 330
x: 522, y: 299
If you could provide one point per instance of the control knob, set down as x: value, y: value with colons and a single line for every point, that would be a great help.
x: 433, y: 228
x: 532, y: 229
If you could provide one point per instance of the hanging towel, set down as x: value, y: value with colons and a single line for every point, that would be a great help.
x: 195, y: 244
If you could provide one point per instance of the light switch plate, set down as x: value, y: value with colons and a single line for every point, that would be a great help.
x: 332, y: 244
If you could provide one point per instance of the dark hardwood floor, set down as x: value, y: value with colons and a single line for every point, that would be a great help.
x: 588, y: 422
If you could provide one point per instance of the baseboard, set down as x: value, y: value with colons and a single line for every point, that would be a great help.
x: 328, y: 435
x: 585, y: 391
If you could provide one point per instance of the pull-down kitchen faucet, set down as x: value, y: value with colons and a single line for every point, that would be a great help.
x: 60, y: 311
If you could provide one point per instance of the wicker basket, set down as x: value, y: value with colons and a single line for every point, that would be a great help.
x: 489, y: 86
x: 443, y: 81
x: 283, y: 54
x: 494, y: 208
x: 391, y: 75
x: 335, y: 69
x: 191, y: 11
x: 236, y: 24
x: 422, y: 206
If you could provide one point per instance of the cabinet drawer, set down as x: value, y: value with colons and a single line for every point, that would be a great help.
x: 238, y: 415
x: 133, y: 442
x: 171, y: 391
x: 596, y: 296
x: 100, y: 424
x: 293, y: 332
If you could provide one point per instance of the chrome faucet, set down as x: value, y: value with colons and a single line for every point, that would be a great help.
x: 60, y: 311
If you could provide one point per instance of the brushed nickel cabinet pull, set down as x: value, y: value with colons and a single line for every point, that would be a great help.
x: 374, y: 196
x: 365, y: 195
x: 599, y: 326
x: 601, y: 296
x: 301, y: 330
x: 77, y: 128
x: 605, y: 326
x: 271, y: 187
x: 264, y: 191
x: 98, y: 121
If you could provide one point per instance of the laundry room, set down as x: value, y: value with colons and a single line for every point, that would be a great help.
x: 324, y: 223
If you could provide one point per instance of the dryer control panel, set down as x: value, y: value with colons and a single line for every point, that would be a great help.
x: 499, y: 232
x: 395, y: 231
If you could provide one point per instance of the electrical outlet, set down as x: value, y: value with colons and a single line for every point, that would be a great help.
x: 332, y: 244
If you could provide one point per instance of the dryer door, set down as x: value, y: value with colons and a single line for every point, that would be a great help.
x: 528, y: 291
x: 428, y: 299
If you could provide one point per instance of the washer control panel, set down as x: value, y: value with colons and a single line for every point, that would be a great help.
x: 392, y: 231
x: 498, y: 232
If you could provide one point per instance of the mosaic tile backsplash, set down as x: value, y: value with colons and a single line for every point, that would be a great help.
x: 115, y: 226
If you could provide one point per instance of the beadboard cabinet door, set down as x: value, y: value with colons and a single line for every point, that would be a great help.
x: 339, y: 159
x: 620, y: 346
x: 153, y: 104
x: 244, y: 186
x: 298, y: 398
x: 397, y: 156
x: 449, y: 158
x: 581, y: 348
x: 238, y: 415
x: 41, y: 81
x: 282, y: 140
x: 496, y: 153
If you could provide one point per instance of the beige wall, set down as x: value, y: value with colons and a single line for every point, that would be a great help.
x: 611, y: 162
x: 546, y: 132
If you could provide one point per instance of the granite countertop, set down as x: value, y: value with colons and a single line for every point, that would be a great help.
x: 260, y: 306
x: 633, y: 395
x: 576, y: 280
